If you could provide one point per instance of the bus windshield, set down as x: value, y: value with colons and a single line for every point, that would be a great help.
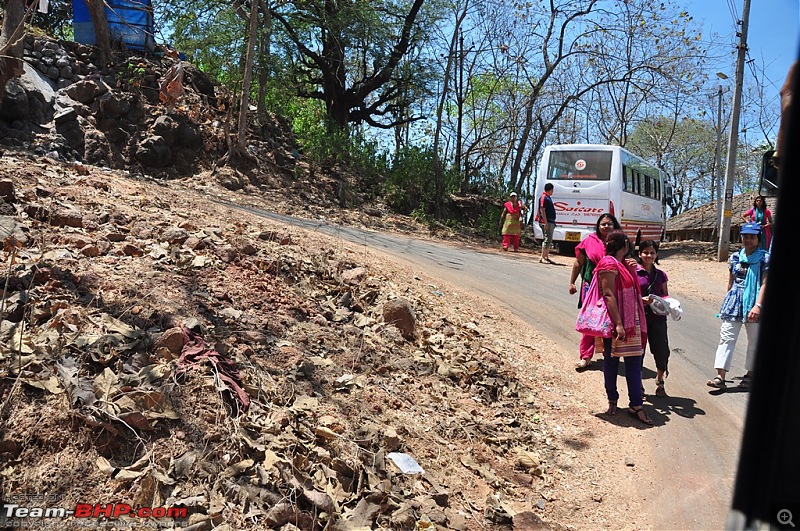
x: 580, y: 165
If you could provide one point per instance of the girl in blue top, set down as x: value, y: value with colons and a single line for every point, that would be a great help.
x: 742, y: 304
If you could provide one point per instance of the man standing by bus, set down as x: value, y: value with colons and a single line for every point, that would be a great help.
x: 547, y: 221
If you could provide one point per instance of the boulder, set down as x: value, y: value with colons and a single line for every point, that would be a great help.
x: 400, y: 313
x: 153, y: 151
x: 15, y: 103
x: 87, y: 90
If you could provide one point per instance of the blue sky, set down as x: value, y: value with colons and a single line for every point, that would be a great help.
x: 772, y: 34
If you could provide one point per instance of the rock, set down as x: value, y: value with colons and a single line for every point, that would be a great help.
x: 131, y: 250
x: 91, y: 251
x: 391, y: 441
x: 66, y: 218
x: 175, y: 235
x: 354, y: 276
x: 194, y: 243
x: 252, y: 336
x: 166, y: 128
x: 96, y: 148
x: 227, y: 254
x: 400, y: 313
x: 7, y: 191
x: 87, y: 90
x: 171, y: 339
x: 113, y: 105
x: 9, y: 226
x: 189, y: 136
x: 528, y: 521
x: 68, y: 114
x: 153, y: 151
x: 200, y: 81
x: 14, y: 105
x: 115, y: 237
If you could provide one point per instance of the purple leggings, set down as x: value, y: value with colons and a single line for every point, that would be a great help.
x: 633, y: 375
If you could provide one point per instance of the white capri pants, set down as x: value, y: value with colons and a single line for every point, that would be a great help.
x: 728, y: 334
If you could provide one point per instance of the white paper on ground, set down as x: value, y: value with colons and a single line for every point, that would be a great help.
x: 405, y: 463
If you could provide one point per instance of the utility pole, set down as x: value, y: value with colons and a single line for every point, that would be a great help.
x: 717, y: 177
x: 733, y: 139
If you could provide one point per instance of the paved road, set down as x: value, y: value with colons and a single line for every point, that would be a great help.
x: 698, y: 430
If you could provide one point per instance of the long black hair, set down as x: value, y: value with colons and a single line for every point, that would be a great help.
x: 763, y: 202
x: 644, y: 245
x: 610, y: 216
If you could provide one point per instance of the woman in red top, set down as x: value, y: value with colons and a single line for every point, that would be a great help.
x: 510, y: 221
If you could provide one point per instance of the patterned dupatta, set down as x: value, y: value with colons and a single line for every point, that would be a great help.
x: 752, y: 282
x: 628, y: 293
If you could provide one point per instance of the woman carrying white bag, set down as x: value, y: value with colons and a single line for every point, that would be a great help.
x: 653, y: 283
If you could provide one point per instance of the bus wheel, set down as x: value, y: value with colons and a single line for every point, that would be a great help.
x: 566, y: 248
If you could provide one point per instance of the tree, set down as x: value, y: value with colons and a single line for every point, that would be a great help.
x: 684, y: 148
x: 11, y: 45
x: 534, y: 66
x: 347, y: 54
x: 244, y: 100
x: 13, y: 28
x: 102, y: 31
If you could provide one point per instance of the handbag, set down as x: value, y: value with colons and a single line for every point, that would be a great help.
x: 593, y: 319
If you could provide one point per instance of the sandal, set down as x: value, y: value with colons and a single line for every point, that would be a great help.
x: 745, y: 383
x: 612, y: 408
x: 583, y: 364
x: 718, y: 382
x: 660, y: 388
x: 639, y: 414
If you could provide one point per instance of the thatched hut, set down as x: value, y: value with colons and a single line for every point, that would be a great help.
x: 700, y: 223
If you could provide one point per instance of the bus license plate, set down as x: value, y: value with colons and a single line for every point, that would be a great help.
x: 573, y: 236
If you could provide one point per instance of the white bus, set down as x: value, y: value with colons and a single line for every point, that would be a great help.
x: 589, y: 180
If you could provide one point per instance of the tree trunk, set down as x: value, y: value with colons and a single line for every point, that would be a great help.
x: 13, y: 28
x: 264, y: 41
x: 102, y: 32
x: 252, y: 35
x: 437, y: 163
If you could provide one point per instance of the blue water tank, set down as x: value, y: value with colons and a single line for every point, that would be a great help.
x: 129, y: 21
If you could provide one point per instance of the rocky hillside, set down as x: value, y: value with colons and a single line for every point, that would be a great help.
x: 147, y: 115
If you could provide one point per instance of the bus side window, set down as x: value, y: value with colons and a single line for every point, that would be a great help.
x: 626, y: 179
x: 648, y: 186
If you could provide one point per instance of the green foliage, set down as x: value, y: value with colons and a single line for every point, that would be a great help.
x: 130, y: 74
x: 320, y: 143
x: 57, y: 22
x: 487, y: 223
x: 209, y: 33
x: 410, y: 185
x: 326, y: 145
